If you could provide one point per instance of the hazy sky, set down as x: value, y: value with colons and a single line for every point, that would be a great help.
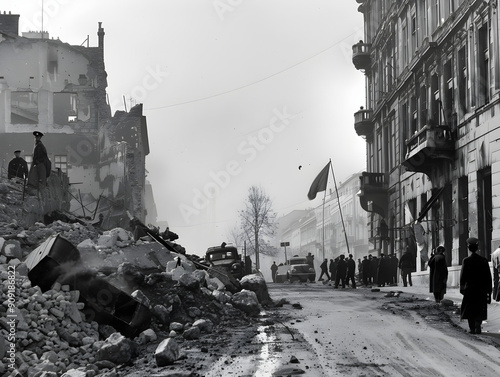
x: 236, y: 93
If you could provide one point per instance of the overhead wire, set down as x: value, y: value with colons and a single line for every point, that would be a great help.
x: 252, y: 83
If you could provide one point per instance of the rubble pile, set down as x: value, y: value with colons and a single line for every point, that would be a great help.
x: 53, y: 335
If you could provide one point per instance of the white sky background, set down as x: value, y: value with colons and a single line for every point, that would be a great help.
x: 212, y: 75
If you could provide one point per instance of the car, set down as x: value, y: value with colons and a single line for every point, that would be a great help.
x: 296, y: 269
x: 226, y: 257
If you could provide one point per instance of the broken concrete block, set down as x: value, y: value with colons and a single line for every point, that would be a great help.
x: 87, y: 244
x: 246, y: 301
x: 116, y: 349
x: 106, y: 241
x: 201, y: 276
x: 162, y: 313
x: 176, y: 272
x: 141, y: 297
x: 121, y: 234
x: 177, y: 327
x: 12, y: 249
x: 167, y: 352
x: 215, y: 284
x: 189, y: 281
x: 74, y: 373
x: 205, y: 325
x: 147, y: 336
x: 192, y: 333
x: 257, y: 284
x: 222, y: 296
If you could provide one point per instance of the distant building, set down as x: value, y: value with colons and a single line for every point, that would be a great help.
x: 60, y: 90
x: 431, y: 124
x: 304, y: 229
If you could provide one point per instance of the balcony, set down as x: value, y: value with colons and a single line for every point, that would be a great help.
x: 363, y: 122
x: 361, y: 55
x: 373, y: 193
x: 429, y: 146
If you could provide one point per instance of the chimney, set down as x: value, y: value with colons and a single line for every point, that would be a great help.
x: 9, y: 23
x: 100, y: 34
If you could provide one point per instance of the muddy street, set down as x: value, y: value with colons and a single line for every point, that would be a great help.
x: 331, y: 332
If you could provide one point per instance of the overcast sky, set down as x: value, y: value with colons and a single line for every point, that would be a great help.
x: 236, y: 93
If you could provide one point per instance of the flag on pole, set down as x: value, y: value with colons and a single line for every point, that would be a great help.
x: 319, y: 183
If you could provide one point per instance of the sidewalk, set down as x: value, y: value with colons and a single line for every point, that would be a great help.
x: 491, y: 325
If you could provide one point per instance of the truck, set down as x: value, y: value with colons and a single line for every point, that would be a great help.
x: 227, y: 258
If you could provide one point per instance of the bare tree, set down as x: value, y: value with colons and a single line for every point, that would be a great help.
x: 258, y: 222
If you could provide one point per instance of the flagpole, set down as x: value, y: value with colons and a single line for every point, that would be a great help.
x: 324, y: 198
x: 340, y: 209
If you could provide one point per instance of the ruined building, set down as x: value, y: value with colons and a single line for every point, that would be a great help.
x: 431, y: 124
x: 59, y: 89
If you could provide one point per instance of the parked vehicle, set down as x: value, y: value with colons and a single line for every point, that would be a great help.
x: 226, y: 257
x: 297, y: 269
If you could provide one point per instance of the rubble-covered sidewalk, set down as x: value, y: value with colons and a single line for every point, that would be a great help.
x: 50, y: 333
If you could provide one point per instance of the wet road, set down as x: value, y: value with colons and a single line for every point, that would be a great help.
x: 357, y: 333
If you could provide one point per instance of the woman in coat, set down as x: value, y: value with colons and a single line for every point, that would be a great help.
x: 438, y: 274
x: 475, y: 286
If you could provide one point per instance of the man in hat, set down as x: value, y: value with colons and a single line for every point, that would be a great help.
x: 38, y: 172
x: 18, y: 167
x: 438, y: 274
x: 475, y: 286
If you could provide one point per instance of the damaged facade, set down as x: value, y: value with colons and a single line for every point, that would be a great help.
x: 60, y: 90
x: 431, y: 125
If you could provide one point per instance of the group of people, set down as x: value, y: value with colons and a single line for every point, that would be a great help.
x: 476, y: 283
x: 340, y: 271
x: 40, y: 167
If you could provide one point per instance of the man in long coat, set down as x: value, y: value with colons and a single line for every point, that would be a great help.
x: 475, y: 286
x: 438, y: 274
x: 38, y: 173
x: 341, y: 272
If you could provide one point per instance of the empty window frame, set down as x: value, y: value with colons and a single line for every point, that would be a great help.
x: 65, y: 108
x: 24, y: 108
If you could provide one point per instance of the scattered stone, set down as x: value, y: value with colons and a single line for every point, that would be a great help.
x: 167, y: 352
x: 116, y: 349
x: 192, y: 333
x: 246, y: 301
x: 294, y: 360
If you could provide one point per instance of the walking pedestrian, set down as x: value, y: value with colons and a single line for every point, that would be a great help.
x: 475, y: 286
x: 394, y: 269
x: 351, y: 271
x: 438, y: 274
x: 341, y: 272
x: 407, y: 266
x: 366, y: 270
x: 331, y: 267
x: 495, y: 259
x: 274, y: 269
x: 18, y: 167
x: 324, y: 270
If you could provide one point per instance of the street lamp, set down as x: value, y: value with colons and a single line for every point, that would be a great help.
x: 285, y: 244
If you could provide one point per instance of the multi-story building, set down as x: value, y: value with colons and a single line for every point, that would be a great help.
x: 59, y: 89
x: 328, y: 230
x: 431, y: 123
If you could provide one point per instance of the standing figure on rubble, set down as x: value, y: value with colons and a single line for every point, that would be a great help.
x: 40, y: 166
x: 18, y: 167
